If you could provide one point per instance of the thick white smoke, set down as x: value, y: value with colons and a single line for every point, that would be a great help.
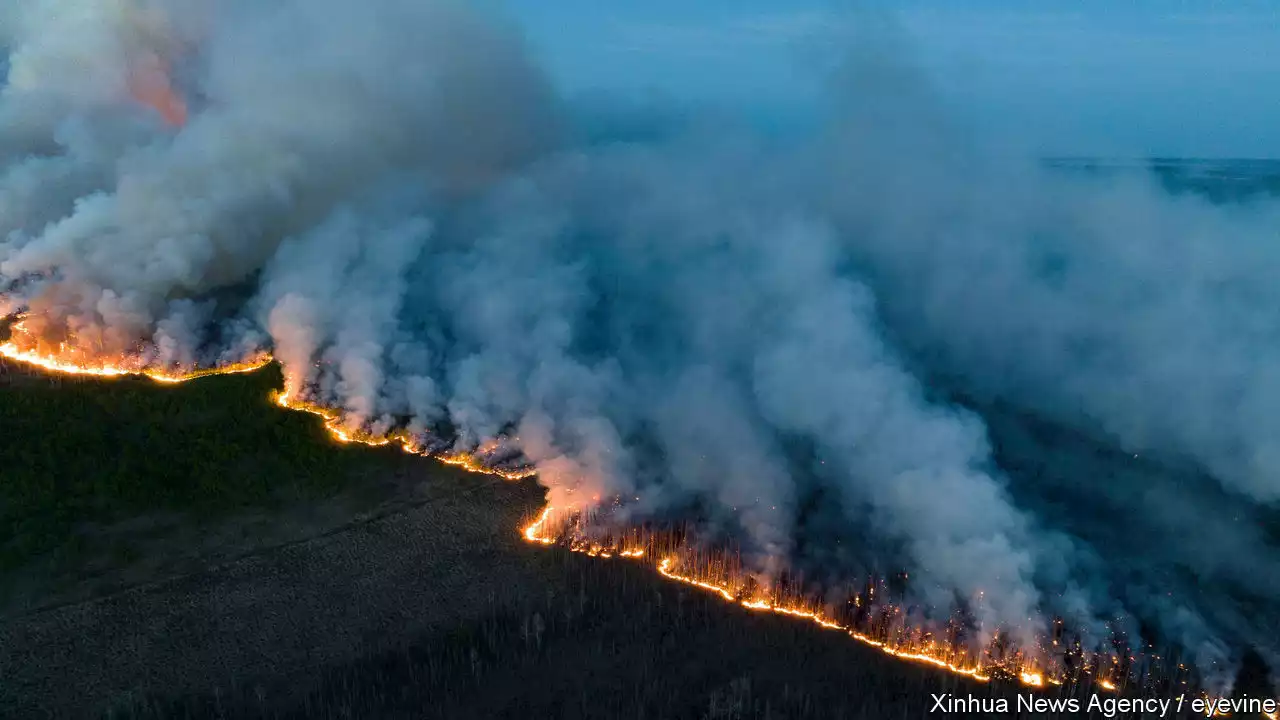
x: 1147, y: 315
x: 676, y: 321
x: 301, y: 108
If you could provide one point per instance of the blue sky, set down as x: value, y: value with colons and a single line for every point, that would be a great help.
x: 1176, y: 77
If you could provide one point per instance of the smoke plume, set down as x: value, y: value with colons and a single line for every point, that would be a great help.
x: 1044, y: 395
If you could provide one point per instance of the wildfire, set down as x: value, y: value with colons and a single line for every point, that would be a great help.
x: 538, y: 532
x: 549, y: 528
x: 665, y: 568
x: 902, y: 653
x: 151, y: 85
x: 333, y: 420
x: 533, y: 533
x: 1033, y: 679
x: 473, y: 464
x: 106, y: 370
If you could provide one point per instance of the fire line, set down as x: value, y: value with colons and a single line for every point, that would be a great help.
x: 540, y: 530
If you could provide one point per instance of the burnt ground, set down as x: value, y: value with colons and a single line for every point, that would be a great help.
x: 396, y: 588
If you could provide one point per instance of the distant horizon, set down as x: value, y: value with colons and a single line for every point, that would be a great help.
x: 1143, y: 79
x: 1188, y: 159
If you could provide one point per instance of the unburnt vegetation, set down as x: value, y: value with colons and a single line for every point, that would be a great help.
x: 92, y: 447
x: 108, y: 483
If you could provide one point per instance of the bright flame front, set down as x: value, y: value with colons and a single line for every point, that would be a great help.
x: 549, y: 528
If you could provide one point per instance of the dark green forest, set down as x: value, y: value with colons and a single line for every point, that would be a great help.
x: 80, y: 452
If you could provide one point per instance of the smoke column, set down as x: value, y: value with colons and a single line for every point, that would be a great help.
x: 855, y: 339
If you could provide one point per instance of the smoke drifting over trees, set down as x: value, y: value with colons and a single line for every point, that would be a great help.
x: 392, y: 198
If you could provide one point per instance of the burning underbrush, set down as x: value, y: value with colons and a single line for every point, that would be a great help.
x: 872, y: 613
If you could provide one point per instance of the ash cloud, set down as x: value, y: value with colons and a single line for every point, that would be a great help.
x: 665, y: 317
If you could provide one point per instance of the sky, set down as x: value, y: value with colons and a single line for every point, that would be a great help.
x: 1146, y: 77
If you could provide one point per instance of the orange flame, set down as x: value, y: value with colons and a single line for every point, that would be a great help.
x: 151, y: 85
x: 533, y: 533
x: 902, y: 653
x: 538, y: 532
x: 107, y: 370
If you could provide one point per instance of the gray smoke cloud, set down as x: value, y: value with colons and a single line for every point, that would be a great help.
x: 421, y: 89
x: 849, y: 340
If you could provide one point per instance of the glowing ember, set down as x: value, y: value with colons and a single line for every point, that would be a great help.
x: 1033, y: 679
